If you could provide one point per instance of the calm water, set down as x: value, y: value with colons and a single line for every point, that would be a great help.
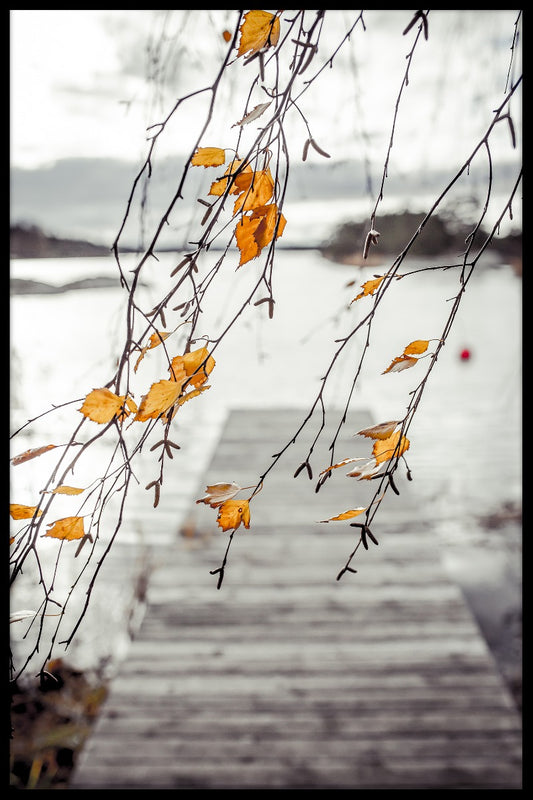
x: 465, y: 440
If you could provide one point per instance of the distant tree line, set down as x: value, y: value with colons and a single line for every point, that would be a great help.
x: 443, y: 233
x: 29, y: 241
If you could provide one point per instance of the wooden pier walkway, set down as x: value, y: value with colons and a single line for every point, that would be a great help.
x: 286, y: 678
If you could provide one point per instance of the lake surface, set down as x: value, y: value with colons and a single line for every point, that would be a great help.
x: 466, y: 437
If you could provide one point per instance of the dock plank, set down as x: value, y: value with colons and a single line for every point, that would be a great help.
x: 288, y: 678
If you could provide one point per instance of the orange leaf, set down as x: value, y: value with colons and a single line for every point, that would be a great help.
x: 160, y: 398
x: 232, y: 512
x: 385, y: 449
x: 193, y: 393
x: 154, y: 341
x: 416, y: 347
x: 381, y: 431
x: 177, y: 370
x: 226, y: 35
x: 256, y: 189
x: 195, y: 368
x: 184, y: 398
x: 219, y: 187
x: 23, y: 512
x: 256, y: 231
x: 354, y: 512
x: 218, y: 493
x: 244, y: 236
x: 400, y: 363
x: 130, y: 408
x: 208, y: 157
x: 68, y: 528
x: 67, y: 490
x: 32, y: 453
x: 264, y: 232
x: 259, y: 30
x: 369, y: 287
x: 101, y: 405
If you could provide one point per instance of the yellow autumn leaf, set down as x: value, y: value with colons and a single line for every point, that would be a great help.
x: 400, y: 363
x: 161, y: 396
x: 232, y: 512
x: 23, y: 512
x: 67, y: 490
x: 369, y: 287
x: 219, y: 187
x: 254, y: 232
x: 184, y: 398
x: 198, y: 364
x: 259, y: 31
x: 177, y: 370
x: 32, y: 453
x: 269, y: 216
x: 416, y: 347
x: 130, y: 408
x: 101, y: 405
x: 354, y: 512
x: 218, y: 493
x: 244, y: 236
x: 256, y: 189
x: 68, y: 528
x: 381, y: 431
x: 208, y: 157
x: 394, y: 446
x: 155, y: 340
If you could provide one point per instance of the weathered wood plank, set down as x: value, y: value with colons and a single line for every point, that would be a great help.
x: 288, y: 678
x: 363, y: 773
x: 312, y: 725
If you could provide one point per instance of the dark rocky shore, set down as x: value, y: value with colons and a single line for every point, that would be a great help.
x: 31, y: 242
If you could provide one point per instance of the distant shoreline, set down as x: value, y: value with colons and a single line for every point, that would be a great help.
x: 32, y: 243
x: 28, y: 286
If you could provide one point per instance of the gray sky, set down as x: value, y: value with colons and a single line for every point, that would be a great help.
x: 79, y: 88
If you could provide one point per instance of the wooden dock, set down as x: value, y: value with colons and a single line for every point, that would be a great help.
x: 286, y: 678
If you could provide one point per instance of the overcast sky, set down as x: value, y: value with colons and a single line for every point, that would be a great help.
x: 79, y: 81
